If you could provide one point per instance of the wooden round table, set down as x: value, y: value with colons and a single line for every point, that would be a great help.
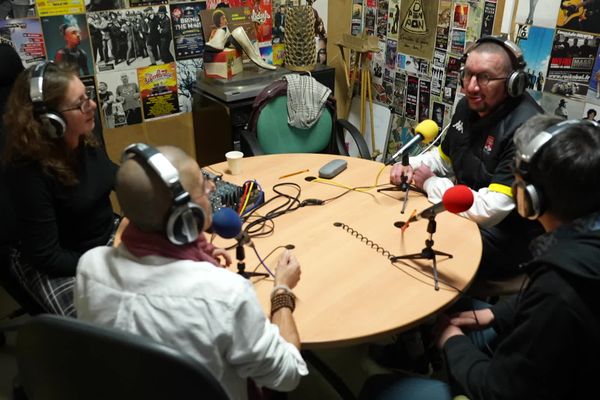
x: 349, y: 291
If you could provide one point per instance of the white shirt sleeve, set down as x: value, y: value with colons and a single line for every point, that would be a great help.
x: 258, y: 351
x: 434, y: 161
x: 488, y: 209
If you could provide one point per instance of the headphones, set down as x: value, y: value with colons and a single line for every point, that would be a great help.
x: 52, y: 121
x: 528, y: 199
x: 185, y: 217
x: 517, y: 80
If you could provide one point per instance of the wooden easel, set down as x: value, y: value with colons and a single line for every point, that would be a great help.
x: 362, y: 46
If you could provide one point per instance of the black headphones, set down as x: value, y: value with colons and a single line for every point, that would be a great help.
x: 517, y: 80
x: 52, y: 121
x: 529, y: 199
x: 185, y: 217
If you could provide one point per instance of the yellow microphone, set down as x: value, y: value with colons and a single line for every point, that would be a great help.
x: 425, y: 132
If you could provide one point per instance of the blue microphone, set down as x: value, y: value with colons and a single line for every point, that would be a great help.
x: 226, y: 223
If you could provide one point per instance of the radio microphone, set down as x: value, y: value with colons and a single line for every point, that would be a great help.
x: 457, y: 199
x: 425, y: 131
x: 227, y: 223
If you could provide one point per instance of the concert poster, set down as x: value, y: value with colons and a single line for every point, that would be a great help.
x: 424, y: 99
x: 382, y: 18
x: 26, y: 35
x: 437, y: 81
x: 158, y: 90
x: 393, y: 19
x: 541, y: 13
x: 487, y: 23
x: 59, y: 7
x: 187, y: 30
x: 399, y: 91
x: 571, y: 63
x: 412, y: 96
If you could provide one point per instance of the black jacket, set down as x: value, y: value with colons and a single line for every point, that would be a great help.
x: 549, y: 335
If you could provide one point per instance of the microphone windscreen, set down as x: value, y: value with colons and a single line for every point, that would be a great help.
x: 458, y: 198
x: 428, y: 129
x: 226, y: 223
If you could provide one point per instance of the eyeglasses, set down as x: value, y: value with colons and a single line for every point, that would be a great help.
x: 84, y: 105
x: 483, y: 78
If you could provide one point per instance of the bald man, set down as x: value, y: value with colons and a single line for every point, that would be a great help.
x: 178, y: 295
x: 478, y: 151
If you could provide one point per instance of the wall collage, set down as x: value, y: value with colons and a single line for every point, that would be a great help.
x: 421, y: 42
x: 139, y: 58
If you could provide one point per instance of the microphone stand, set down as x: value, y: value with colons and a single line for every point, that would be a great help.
x: 240, y: 255
x: 404, y: 186
x: 428, y: 252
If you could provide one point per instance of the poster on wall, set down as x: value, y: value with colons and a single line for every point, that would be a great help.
x: 103, y: 5
x: 187, y: 73
x: 412, y: 95
x: 67, y: 41
x: 424, y: 99
x: 119, y: 96
x: 140, y: 3
x: 536, y: 53
x: 417, y: 33
x: 571, y: 63
x: 158, y: 89
x: 59, y: 7
x: 26, y: 36
x: 581, y: 16
x: 187, y: 30
x: 382, y: 18
x: 393, y: 19
x: 443, y: 25
x: 487, y: 22
x: 399, y: 90
x: 132, y: 38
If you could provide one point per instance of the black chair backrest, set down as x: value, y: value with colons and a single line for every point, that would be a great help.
x: 67, y: 359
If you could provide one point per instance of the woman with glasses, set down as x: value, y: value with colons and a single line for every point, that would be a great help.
x: 59, y: 177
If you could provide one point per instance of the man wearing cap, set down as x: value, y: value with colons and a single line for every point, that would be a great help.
x: 151, y: 34
x: 164, y: 29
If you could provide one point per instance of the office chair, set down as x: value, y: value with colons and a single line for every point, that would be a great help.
x: 68, y: 359
x: 268, y: 131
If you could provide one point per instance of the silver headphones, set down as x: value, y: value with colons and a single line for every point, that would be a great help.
x: 185, y: 218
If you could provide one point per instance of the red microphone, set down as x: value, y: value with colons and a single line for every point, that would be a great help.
x: 457, y: 199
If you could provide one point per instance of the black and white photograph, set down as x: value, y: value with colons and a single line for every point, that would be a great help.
x: 187, y: 72
x: 131, y: 38
x: 103, y: 5
x: 119, y: 96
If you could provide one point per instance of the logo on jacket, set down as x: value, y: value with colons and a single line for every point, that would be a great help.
x: 458, y: 126
x: 489, y: 144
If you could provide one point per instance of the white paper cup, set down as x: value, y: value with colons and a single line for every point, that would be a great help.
x: 234, y: 162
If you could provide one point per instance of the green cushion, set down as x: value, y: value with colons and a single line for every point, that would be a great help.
x: 276, y: 136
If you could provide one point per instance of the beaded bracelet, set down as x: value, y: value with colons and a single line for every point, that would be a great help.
x: 282, y: 300
x: 285, y: 288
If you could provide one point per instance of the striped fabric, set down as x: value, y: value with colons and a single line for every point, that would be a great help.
x: 306, y: 98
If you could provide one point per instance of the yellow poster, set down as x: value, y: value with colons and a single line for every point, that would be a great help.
x: 158, y: 87
x: 59, y: 7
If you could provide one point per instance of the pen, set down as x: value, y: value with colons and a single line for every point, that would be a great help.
x: 293, y: 173
x: 405, y: 226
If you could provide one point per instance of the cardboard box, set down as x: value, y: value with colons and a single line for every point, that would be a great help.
x: 225, y: 64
